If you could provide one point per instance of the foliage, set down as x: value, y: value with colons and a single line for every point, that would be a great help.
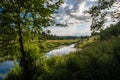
x: 110, y: 32
x: 98, y: 61
x: 99, y: 15
x: 15, y: 74
x: 47, y: 36
x: 34, y: 65
x: 21, y: 23
x: 22, y: 20
x: 85, y: 42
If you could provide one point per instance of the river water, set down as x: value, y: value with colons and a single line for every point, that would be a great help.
x: 5, y: 68
x: 61, y: 50
x: 7, y: 65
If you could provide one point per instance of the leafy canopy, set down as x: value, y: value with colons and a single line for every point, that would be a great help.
x: 24, y: 19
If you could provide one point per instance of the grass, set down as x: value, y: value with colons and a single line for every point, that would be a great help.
x: 83, y: 43
x: 62, y: 41
x: 51, y: 44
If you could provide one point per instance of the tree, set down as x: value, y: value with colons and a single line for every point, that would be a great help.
x: 98, y: 15
x: 20, y: 19
x: 110, y: 32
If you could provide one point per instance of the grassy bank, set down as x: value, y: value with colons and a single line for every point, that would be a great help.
x: 51, y: 44
x: 43, y: 47
x: 84, y: 42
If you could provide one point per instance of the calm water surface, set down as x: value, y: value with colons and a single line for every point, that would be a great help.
x: 61, y: 50
x: 5, y: 68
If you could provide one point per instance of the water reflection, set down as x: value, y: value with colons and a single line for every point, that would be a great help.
x: 62, y: 50
x: 5, y: 67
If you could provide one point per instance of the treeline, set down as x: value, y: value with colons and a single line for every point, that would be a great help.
x: 55, y: 37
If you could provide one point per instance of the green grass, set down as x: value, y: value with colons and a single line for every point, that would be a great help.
x: 51, y: 44
x: 83, y: 43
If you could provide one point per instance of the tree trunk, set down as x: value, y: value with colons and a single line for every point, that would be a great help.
x: 23, y: 61
x: 21, y: 43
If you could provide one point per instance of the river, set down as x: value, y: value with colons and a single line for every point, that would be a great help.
x: 61, y: 50
x: 5, y: 68
x: 7, y: 65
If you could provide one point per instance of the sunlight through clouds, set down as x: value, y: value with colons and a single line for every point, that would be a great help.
x: 72, y: 13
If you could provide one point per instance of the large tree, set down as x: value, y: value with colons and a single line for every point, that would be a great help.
x: 20, y: 19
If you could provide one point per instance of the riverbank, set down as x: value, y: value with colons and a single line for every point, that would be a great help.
x: 44, y: 46
x: 85, y: 42
x: 62, y: 50
x: 53, y: 44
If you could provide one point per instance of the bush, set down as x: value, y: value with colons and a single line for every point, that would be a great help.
x: 15, y: 74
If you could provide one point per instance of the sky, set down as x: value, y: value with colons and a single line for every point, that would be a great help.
x: 72, y: 13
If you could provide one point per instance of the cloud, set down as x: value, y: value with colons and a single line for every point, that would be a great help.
x: 73, y: 10
x: 71, y: 30
x: 60, y: 31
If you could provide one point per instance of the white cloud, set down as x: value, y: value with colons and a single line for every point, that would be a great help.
x: 60, y: 31
x: 72, y: 12
x: 71, y: 30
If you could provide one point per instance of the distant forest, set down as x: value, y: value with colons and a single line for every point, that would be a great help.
x: 49, y: 36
